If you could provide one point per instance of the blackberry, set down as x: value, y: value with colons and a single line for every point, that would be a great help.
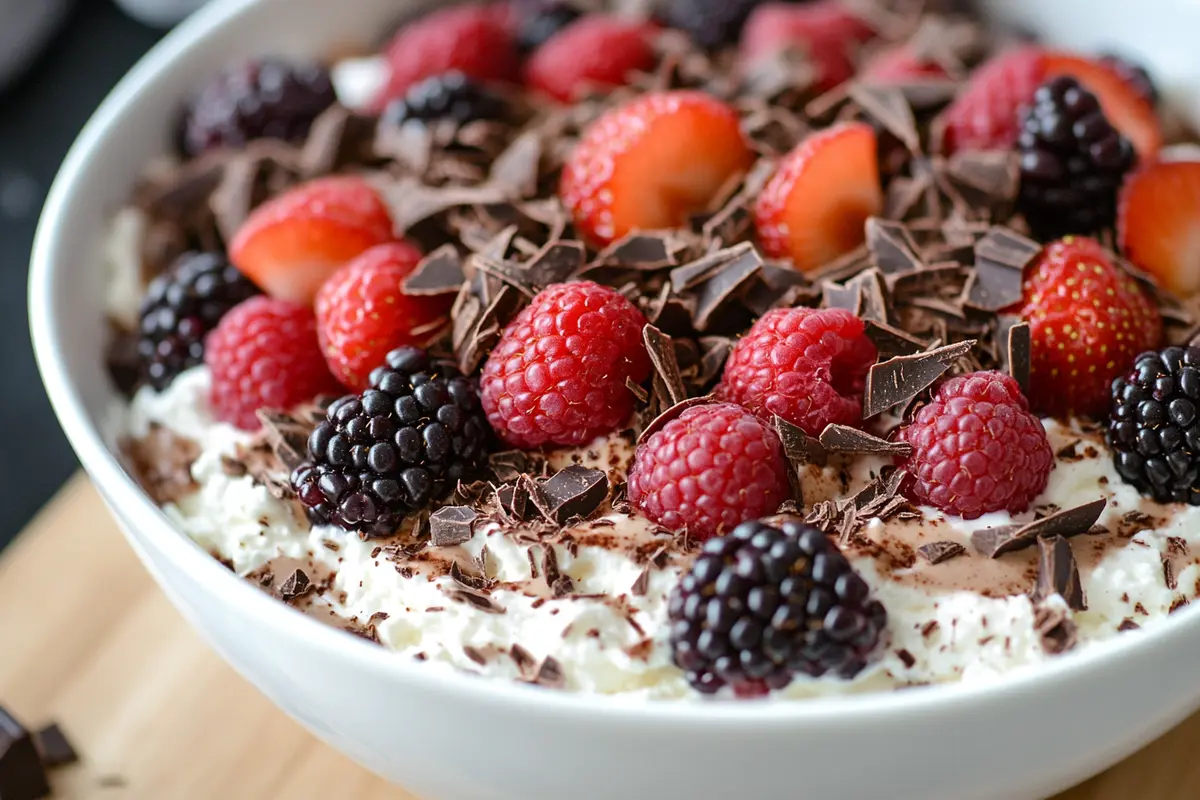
x: 543, y: 20
x: 1072, y: 161
x: 763, y: 603
x: 1135, y: 75
x: 395, y: 448
x: 451, y: 95
x: 180, y: 307
x: 270, y: 98
x: 710, y: 23
x: 1154, y: 427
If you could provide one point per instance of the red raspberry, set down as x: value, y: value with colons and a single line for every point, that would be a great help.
x: 264, y: 354
x: 806, y: 365
x: 559, y: 372
x: 977, y: 449
x: 986, y: 112
x: 595, y: 51
x: 362, y: 313
x: 472, y: 39
x: 708, y: 470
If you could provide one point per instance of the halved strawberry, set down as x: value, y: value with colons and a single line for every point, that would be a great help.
x: 651, y: 163
x: 825, y: 30
x: 815, y: 206
x: 292, y: 243
x: 1158, y: 223
x: 1125, y: 108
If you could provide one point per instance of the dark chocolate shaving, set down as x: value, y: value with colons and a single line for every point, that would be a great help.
x: 671, y: 413
x: 661, y: 349
x: 54, y: 747
x: 575, y: 493
x: 900, y: 379
x: 798, y: 446
x: 1055, y: 628
x: 844, y: 439
x: 295, y: 585
x: 22, y: 774
x: 888, y: 106
x: 1019, y: 354
x: 451, y: 525
x: 1058, y: 573
x: 995, y: 542
x: 937, y: 552
x: 440, y: 272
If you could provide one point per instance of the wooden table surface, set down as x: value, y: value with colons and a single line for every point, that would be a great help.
x: 89, y: 641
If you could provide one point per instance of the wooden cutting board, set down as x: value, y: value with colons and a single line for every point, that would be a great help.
x: 87, y: 640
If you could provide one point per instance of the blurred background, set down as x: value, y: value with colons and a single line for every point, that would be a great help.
x: 80, y: 49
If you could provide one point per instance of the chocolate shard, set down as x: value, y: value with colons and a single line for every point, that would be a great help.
x: 1019, y: 354
x: 995, y: 542
x: 892, y: 246
x: 640, y: 251
x: 54, y: 747
x: 661, y: 349
x: 550, y: 674
x: 296, y: 585
x: 440, y: 272
x: 798, y: 446
x: 22, y: 775
x: 900, y: 379
x: 847, y: 297
x: 993, y: 286
x: 1006, y: 247
x: 724, y: 285
x: 892, y: 341
x: 993, y: 174
x: 555, y: 263
x: 1058, y: 574
x: 451, y: 525
x: 671, y: 413
x: 515, y: 171
x: 1055, y: 628
x: 937, y: 552
x: 692, y: 274
x: 888, y: 106
x: 286, y: 435
x: 575, y: 493
x: 844, y: 439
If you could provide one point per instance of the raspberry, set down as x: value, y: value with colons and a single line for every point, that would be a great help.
x: 986, y: 113
x: 1154, y: 427
x: 392, y: 450
x: 763, y: 603
x: 594, y: 51
x: 977, y: 449
x: 559, y: 373
x: 181, y: 306
x: 806, y: 365
x: 270, y: 98
x: 362, y: 313
x: 264, y: 354
x: 708, y: 470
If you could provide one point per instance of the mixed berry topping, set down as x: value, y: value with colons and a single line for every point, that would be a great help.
x: 764, y: 604
x: 451, y: 95
x: 181, y: 306
x: 394, y: 449
x: 265, y: 99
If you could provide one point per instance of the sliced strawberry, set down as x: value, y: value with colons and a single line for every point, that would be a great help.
x: 814, y: 208
x: 986, y: 113
x: 291, y: 244
x: 1125, y: 108
x: 1158, y: 223
x: 825, y: 31
x: 472, y: 39
x: 900, y: 63
x: 651, y: 163
x: 595, y: 51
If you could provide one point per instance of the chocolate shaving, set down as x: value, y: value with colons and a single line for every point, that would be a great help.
x: 641, y: 584
x: 889, y: 107
x: 451, y: 525
x: 295, y: 585
x: 995, y: 542
x: 661, y: 349
x: 550, y: 674
x: 1055, y: 628
x: 1058, y: 573
x: 900, y: 379
x: 798, y: 446
x: 286, y: 435
x: 1128, y: 624
x: 671, y: 413
x: 474, y: 598
x: 555, y: 263
x: 161, y: 462
x: 22, y: 774
x: 440, y: 272
x: 515, y: 171
x: 640, y: 251
x: 715, y: 292
x: 54, y: 747
x: 891, y: 341
x: 575, y: 493
x: 937, y: 552
x: 1019, y: 354
x: 844, y: 439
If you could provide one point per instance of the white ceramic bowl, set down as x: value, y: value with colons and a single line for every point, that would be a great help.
x: 461, y: 737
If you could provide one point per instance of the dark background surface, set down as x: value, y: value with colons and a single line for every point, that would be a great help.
x: 41, y: 114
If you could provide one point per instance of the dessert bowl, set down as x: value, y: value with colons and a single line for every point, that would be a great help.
x: 442, y: 734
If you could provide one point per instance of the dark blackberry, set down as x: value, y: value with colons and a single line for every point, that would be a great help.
x: 710, y: 23
x: 271, y: 98
x: 764, y: 603
x: 1135, y: 75
x: 542, y: 19
x: 180, y: 307
x: 1072, y: 161
x: 1154, y: 426
x: 394, y: 449
x: 451, y: 95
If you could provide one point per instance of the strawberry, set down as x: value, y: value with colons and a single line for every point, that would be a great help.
x: 1158, y: 223
x: 986, y: 113
x: 363, y: 314
x: 814, y: 207
x: 825, y: 30
x: 1088, y: 319
x: 472, y: 39
x: 292, y: 243
x: 595, y: 51
x: 651, y: 163
x: 898, y: 64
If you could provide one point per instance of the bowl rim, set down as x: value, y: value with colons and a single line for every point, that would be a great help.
x: 120, y: 490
